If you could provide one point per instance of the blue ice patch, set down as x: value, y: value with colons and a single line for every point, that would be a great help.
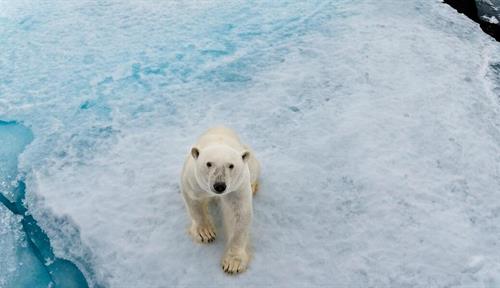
x: 28, y: 259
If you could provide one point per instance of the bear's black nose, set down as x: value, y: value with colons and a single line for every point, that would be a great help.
x: 219, y: 187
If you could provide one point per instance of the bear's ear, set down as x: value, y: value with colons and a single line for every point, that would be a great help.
x: 245, y: 156
x: 195, y: 152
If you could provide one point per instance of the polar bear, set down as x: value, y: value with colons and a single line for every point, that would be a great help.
x: 220, y: 167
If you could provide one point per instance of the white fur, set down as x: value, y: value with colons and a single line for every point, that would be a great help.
x: 221, y: 147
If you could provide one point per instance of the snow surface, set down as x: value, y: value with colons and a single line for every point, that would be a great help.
x: 377, y: 124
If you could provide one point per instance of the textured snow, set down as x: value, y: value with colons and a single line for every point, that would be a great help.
x: 377, y: 124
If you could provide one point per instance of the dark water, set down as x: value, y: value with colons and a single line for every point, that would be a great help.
x: 469, y: 8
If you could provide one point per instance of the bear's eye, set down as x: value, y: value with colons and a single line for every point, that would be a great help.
x: 209, y: 164
x: 231, y: 166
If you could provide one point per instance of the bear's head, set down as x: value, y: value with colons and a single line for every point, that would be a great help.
x: 219, y: 169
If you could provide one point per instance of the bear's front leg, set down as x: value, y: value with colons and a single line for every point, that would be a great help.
x: 202, y: 230
x: 237, y: 209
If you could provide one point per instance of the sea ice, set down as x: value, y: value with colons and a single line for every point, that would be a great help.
x: 377, y: 124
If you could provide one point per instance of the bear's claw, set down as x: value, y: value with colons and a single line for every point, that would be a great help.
x: 203, y: 234
x: 234, y: 264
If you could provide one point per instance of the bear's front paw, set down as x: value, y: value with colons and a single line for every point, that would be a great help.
x: 234, y: 263
x: 202, y: 233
